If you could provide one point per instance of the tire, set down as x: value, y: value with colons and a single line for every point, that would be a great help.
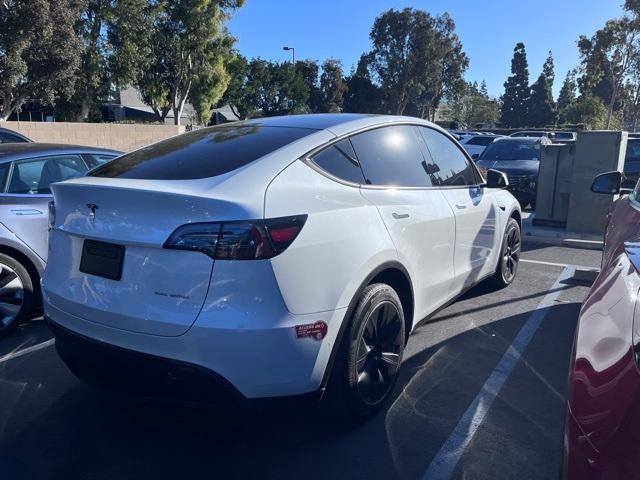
x: 16, y: 294
x: 370, y: 355
x: 510, y: 250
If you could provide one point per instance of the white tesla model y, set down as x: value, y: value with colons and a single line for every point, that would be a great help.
x: 274, y: 257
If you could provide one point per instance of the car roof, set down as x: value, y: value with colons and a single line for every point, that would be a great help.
x: 316, y: 121
x: 17, y: 151
x: 337, y: 124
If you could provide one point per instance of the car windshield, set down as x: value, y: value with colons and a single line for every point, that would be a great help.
x: 511, y: 151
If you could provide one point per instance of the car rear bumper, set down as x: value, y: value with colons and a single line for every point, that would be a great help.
x: 248, y: 363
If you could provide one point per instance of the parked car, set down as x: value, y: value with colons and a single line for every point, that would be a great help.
x: 285, y: 256
x: 519, y: 159
x: 632, y: 162
x: 475, y: 144
x: 603, y: 407
x: 533, y: 134
x: 26, y: 172
x: 9, y: 136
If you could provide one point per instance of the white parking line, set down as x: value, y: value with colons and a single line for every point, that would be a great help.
x: 445, y: 461
x: 33, y: 348
x: 552, y: 264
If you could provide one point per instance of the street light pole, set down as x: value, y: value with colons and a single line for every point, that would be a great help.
x: 293, y: 53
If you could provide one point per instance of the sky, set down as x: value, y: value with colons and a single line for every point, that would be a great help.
x: 488, y: 29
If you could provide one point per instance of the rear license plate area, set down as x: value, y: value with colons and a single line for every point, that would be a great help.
x: 102, y: 259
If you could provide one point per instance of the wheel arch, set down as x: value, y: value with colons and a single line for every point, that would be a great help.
x: 29, y: 265
x: 392, y: 273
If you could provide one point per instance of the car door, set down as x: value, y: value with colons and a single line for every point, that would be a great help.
x: 26, y: 195
x: 477, y: 238
x: 416, y: 215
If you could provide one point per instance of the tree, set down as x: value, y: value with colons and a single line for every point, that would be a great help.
x: 453, y: 62
x: 515, y: 100
x: 607, y: 60
x: 474, y: 106
x: 188, y: 48
x: 588, y: 109
x: 362, y: 95
x: 541, y: 109
x: 548, y: 70
x: 567, y: 95
x: 332, y: 86
x: 233, y: 96
x: 92, y: 83
x: 308, y: 71
x: 40, y: 51
x: 269, y: 89
x: 415, y: 58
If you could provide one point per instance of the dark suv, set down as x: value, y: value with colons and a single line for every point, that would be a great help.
x: 519, y: 159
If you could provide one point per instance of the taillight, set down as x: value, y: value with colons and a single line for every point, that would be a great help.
x: 238, y: 240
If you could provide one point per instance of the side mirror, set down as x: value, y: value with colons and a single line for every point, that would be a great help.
x: 496, y: 179
x: 475, y: 156
x: 609, y: 183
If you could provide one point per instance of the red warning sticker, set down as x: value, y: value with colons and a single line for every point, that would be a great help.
x: 316, y: 330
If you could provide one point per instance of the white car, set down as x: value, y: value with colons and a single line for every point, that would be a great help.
x: 475, y: 144
x: 273, y: 257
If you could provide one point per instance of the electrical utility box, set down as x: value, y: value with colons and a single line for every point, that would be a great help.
x: 554, y: 184
x: 596, y: 152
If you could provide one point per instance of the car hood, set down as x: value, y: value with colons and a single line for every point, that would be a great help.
x: 518, y: 167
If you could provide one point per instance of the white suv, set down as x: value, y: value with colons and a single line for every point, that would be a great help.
x: 271, y: 258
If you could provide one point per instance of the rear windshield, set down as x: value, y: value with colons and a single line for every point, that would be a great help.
x: 511, y: 151
x: 208, y: 152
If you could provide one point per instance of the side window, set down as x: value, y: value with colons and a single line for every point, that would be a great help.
x: 10, y: 138
x: 35, y: 175
x: 392, y: 156
x: 453, y: 167
x: 340, y: 161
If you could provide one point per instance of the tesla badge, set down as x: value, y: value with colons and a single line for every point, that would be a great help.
x: 317, y: 330
x: 92, y: 211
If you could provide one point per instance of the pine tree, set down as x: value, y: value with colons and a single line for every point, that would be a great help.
x: 541, y: 111
x: 567, y: 96
x: 515, y: 100
x: 548, y: 70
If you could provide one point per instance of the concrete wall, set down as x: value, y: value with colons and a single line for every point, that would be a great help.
x: 123, y: 137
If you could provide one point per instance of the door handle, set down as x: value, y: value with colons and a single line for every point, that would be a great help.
x: 398, y: 216
x: 461, y: 206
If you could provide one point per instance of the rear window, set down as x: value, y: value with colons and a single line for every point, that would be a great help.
x: 208, y: 152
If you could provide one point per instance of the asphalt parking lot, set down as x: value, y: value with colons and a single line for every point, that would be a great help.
x: 481, y: 395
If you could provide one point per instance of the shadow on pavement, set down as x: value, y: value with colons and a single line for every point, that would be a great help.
x: 58, y: 428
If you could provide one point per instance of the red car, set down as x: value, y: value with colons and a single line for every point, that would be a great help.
x: 602, y: 432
